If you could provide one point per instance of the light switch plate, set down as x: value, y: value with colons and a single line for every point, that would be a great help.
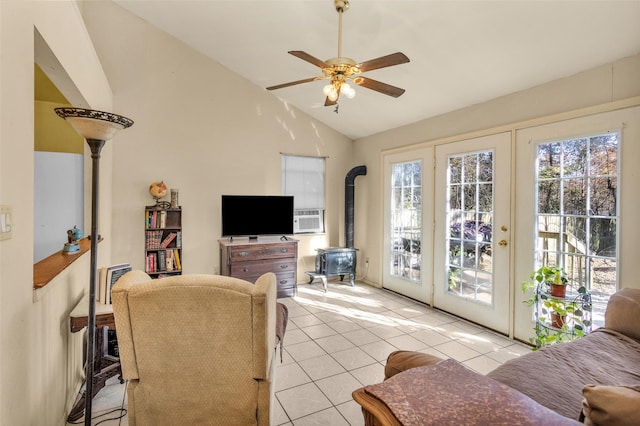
x: 6, y: 222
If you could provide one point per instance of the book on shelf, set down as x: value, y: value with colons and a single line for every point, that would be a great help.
x: 153, y: 240
x: 108, y: 277
x: 176, y: 260
x: 169, y: 260
x: 162, y: 260
x: 151, y: 263
x: 167, y: 240
x: 156, y: 219
x: 102, y: 287
x: 113, y: 275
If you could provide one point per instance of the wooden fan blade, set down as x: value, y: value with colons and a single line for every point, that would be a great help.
x: 293, y: 83
x: 379, y: 86
x: 383, y: 61
x: 311, y: 59
x: 329, y: 102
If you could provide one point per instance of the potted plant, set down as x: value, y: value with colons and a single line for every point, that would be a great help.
x: 558, y: 318
x: 553, y: 276
x: 558, y: 310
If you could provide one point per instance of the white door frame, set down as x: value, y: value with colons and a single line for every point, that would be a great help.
x: 421, y: 290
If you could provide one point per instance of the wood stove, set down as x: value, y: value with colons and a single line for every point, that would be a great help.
x: 334, y: 261
x: 340, y: 260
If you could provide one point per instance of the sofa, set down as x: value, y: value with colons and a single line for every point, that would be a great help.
x: 594, y: 380
x: 198, y: 349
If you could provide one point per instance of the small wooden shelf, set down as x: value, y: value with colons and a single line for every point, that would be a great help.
x: 48, y: 268
x: 163, y: 241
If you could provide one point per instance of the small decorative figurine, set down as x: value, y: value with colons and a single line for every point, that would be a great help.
x: 73, y: 235
x: 77, y: 232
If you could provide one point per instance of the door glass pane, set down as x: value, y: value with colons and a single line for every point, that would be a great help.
x: 577, y: 182
x: 470, y: 222
x: 406, y: 220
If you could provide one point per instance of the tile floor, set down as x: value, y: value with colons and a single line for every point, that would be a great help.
x: 338, y: 341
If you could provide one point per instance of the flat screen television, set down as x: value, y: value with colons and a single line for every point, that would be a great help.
x: 254, y: 215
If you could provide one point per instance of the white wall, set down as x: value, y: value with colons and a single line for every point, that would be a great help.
x: 204, y: 130
x: 40, y: 361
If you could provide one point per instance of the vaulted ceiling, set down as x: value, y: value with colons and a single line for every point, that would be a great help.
x: 461, y: 52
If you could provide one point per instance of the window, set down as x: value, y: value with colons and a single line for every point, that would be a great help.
x: 470, y: 223
x: 577, y: 212
x: 406, y: 220
x: 303, y: 177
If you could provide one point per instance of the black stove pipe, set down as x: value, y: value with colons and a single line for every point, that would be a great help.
x: 349, y: 186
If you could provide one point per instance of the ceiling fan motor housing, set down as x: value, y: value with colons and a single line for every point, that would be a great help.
x: 340, y: 66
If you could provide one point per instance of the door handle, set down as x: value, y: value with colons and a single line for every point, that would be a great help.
x: 503, y: 243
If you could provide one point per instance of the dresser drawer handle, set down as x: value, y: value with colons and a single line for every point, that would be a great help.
x: 283, y: 281
x: 284, y: 250
x: 245, y: 270
x: 243, y: 253
x: 284, y: 266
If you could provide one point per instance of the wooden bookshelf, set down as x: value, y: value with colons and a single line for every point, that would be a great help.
x: 163, y: 241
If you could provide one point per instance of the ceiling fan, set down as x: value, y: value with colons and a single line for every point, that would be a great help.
x: 340, y: 70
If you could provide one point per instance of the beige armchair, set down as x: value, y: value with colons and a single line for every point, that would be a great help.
x: 196, y: 349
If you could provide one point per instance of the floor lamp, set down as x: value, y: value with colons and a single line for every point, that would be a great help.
x: 96, y: 127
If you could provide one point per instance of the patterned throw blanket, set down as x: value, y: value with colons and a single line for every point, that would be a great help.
x: 448, y: 393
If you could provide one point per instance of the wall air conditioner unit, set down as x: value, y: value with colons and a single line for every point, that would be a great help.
x: 308, y: 221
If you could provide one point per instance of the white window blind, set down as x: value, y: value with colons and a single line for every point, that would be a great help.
x: 303, y: 177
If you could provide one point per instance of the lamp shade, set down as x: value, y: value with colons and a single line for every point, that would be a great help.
x: 92, y: 124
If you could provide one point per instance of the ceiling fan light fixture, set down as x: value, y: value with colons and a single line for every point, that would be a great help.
x: 341, y: 69
x: 331, y: 92
x: 347, y: 90
x: 326, y: 90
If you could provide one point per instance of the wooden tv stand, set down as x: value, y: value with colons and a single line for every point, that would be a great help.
x: 249, y: 258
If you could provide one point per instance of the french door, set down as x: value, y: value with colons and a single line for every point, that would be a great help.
x: 408, y: 218
x: 472, y: 230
